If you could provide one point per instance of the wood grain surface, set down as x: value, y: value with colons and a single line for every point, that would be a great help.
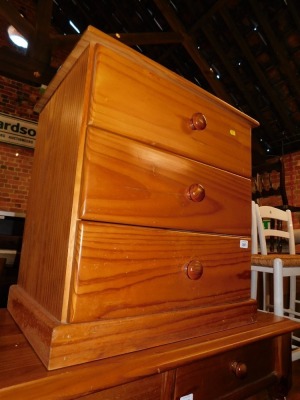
x: 125, y: 271
x: 134, y: 101
x: 59, y: 345
x: 115, y: 146
x: 23, y: 376
x: 127, y: 182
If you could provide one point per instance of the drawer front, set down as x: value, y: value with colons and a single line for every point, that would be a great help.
x: 122, y: 271
x: 130, y: 183
x: 218, y: 376
x: 155, y: 106
x: 149, y: 388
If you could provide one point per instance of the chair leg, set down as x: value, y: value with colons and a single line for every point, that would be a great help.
x: 292, y: 305
x: 254, y: 278
x: 278, y: 287
x: 266, y: 293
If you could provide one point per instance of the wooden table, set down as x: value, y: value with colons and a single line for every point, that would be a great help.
x: 210, y: 367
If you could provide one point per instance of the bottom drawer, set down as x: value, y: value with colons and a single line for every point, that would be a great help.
x: 218, y: 376
x: 126, y: 271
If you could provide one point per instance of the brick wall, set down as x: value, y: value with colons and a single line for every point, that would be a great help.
x: 15, y: 174
x: 292, y: 183
x: 16, y: 99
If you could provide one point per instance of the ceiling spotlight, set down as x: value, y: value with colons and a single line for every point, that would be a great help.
x: 16, y: 37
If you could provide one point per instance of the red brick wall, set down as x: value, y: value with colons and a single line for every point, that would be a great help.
x: 18, y: 100
x: 15, y: 173
x: 292, y: 183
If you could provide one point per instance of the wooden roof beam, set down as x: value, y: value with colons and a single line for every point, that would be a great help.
x: 39, y: 47
x: 272, y: 95
x: 211, y: 36
x: 191, y: 47
x: 280, y: 52
x: 14, y: 18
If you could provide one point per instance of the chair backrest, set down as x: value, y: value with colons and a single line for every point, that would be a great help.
x: 280, y: 225
x: 254, y: 232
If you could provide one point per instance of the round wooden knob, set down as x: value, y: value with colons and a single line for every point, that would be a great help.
x: 196, y: 192
x: 239, y: 369
x: 194, y: 269
x: 198, y: 122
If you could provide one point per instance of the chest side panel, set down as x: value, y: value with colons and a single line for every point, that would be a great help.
x: 48, y: 229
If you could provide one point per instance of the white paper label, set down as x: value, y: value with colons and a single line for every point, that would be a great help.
x: 187, y: 397
x: 244, y: 244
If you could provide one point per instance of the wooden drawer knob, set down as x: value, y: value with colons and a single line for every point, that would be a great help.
x: 239, y: 369
x: 198, y: 122
x: 194, y: 269
x: 196, y: 192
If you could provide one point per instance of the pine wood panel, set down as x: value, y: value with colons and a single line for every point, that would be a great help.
x: 59, y: 345
x: 165, y: 106
x: 23, y: 376
x: 48, y: 235
x: 125, y: 181
x: 124, y: 271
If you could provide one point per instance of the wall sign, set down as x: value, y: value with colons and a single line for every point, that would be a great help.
x: 17, y: 131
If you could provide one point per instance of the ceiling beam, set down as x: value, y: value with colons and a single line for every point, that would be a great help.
x: 13, y: 17
x: 148, y: 38
x: 21, y: 68
x: 280, y: 52
x: 293, y: 7
x: 281, y: 113
x: 191, y: 47
x: 212, y: 37
x: 39, y: 47
x: 35, y: 66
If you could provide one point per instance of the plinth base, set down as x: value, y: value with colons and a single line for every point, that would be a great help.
x: 61, y: 344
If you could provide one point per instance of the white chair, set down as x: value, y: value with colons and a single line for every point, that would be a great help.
x: 280, y: 265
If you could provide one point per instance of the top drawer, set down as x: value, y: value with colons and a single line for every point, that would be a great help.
x: 151, y: 104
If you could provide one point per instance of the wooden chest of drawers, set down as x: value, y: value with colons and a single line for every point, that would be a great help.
x: 138, y: 222
x: 252, y: 360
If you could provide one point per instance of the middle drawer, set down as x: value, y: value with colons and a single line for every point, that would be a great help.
x: 125, y: 271
x: 124, y: 181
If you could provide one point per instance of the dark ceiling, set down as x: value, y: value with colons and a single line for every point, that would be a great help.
x: 246, y: 52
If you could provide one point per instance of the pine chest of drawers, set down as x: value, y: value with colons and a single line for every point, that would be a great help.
x: 138, y: 223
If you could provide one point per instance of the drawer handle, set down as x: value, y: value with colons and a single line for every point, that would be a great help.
x: 198, y: 122
x: 239, y: 369
x: 194, y: 269
x: 196, y: 192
